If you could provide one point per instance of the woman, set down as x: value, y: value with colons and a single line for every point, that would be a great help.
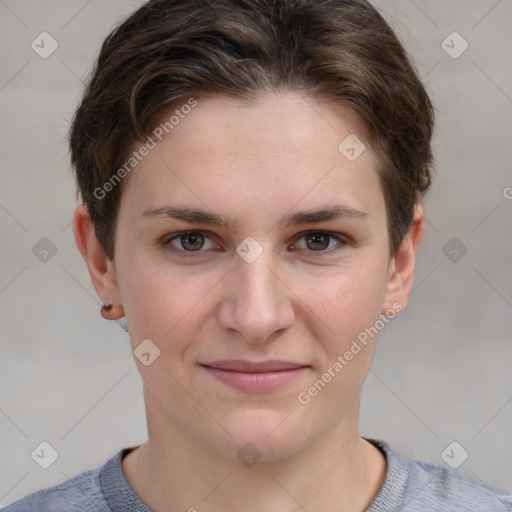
x: 251, y: 176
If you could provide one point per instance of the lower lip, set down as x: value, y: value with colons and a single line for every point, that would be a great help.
x: 254, y: 382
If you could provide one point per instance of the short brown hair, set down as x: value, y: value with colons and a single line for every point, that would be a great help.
x: 334, y: 50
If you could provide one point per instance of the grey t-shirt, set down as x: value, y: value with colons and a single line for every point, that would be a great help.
x: 410, y: 486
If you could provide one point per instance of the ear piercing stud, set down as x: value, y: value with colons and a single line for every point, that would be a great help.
x: 107, y: 307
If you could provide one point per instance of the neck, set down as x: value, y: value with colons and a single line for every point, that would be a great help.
x: 174, y: 471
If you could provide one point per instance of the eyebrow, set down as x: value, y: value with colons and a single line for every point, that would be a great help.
x: 199, y: 216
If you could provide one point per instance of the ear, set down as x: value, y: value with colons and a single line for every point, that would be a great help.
x: 402, y: 265
x: 101, y: 269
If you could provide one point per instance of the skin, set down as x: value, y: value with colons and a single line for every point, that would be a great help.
x: 253, y: 163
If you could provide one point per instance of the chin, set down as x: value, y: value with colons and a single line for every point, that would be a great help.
x: 262, y: 437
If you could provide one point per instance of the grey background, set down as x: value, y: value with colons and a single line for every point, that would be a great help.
x: 442, y: 370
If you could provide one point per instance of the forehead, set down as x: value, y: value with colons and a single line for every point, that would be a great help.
x: 274, y: 123
x: 276, y: 151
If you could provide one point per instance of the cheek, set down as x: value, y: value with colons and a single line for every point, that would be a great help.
x: 347, y: 302
x: 171, y: 305
x: 164, y: 303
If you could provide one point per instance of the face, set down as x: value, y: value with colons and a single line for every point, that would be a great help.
x: 280, y: 279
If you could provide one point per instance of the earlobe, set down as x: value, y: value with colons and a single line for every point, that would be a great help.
x: 403, y: 264
x: 101, y: 269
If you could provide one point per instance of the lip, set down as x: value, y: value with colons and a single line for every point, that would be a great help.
x: 255, y: 376
x: 242, y: 365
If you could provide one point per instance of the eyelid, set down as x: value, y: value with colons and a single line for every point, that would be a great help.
x: 342, y: 239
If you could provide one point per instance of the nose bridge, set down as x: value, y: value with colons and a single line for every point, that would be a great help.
x: 258, y: 305
x: 256, y: 279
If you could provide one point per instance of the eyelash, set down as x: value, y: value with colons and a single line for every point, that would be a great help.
x: 195, y: 254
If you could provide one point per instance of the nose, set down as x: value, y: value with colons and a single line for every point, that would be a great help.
x: 257, y: 305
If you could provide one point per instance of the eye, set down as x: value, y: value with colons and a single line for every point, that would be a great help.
x: 190, y: 242
x: 320, y: 242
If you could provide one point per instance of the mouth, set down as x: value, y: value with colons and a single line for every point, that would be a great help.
x: 254, y: 377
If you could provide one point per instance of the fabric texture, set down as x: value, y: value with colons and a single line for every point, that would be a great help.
x: 409, y: 486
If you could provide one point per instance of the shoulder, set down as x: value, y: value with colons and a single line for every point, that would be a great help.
x: 432, y: 487
x: 81, y: 493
